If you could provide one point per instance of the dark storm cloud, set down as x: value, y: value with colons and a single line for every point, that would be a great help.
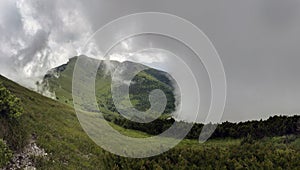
x: 257, y: 41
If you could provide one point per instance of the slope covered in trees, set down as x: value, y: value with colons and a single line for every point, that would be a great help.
x: 274, y: 126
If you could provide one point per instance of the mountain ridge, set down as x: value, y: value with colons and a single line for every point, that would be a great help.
x: 59, y: 81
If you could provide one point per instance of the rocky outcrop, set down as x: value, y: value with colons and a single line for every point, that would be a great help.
x: 24, y: 159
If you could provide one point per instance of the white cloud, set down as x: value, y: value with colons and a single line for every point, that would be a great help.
x: 39, y: 35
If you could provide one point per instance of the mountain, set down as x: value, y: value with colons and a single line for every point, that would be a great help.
x: 59, y: 81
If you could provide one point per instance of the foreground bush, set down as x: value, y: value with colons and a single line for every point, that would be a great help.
x: 10, y: 105
x: 11, y: 126
x: 5, y: 153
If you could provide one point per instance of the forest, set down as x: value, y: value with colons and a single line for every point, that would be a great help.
x: 273, y: 126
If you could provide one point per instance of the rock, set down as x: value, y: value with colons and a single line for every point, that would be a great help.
x: 23, y: 159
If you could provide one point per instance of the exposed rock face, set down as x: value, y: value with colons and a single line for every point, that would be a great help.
x: 23, y: 160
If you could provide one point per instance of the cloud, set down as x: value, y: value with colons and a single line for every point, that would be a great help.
x: 257, y: 40
x: 39, y: 35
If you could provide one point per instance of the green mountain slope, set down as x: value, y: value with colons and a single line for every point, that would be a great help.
x: 58, y: 131
x: 59, y: 80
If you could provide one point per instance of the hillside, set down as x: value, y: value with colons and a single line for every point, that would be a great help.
x: 59, y: 133
x: 59, y: 81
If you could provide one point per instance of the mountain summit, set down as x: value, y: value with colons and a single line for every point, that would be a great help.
x: 59, y: 81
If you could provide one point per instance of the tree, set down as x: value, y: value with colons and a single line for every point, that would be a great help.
x: 298, y: 127
x: 10, y: 105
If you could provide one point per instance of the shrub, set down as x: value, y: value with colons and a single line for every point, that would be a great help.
x: 11, y: 126
x: 10, y: 105
x: 5, y: 154
x: 247, y: 140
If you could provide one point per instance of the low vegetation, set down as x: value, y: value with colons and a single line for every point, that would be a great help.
x: 11, y: 129
x: 11, y: 122
x: 5, y: 153
x: 58, y: 131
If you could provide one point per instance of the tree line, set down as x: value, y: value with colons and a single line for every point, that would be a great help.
x: 273, y: 126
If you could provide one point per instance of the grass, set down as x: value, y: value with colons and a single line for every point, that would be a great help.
x: 69, y: 147
x: 145, y: 82
x: 296, y: 144
x: 60, y: 134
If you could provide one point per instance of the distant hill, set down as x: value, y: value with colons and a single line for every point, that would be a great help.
x: 59, y: 81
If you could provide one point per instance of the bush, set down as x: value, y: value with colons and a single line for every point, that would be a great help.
x: 5, y: 154
x: 247, y: 140
x: 11, y: 126
x: 10, y: 105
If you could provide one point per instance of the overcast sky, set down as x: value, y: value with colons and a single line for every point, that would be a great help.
x: 258, y: 42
